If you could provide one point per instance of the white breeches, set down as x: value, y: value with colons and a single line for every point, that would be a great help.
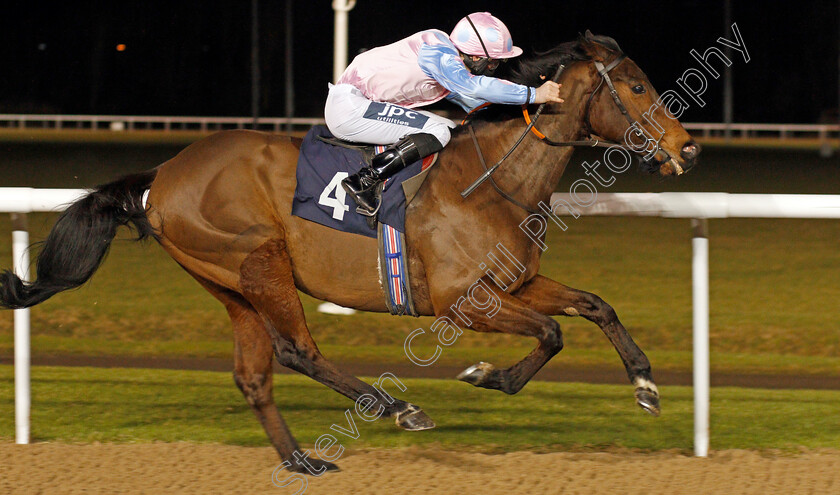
x: 353, y: 117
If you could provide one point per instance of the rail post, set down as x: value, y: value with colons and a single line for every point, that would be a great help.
x: 20, y: 264
x: 700, y: 304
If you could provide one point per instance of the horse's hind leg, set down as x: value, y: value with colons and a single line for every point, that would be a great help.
x: 252, y: 373
x: 552, y: 298
x: 267, y: 283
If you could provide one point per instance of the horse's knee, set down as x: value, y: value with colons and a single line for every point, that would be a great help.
x: 552, y: 336
x: 254, y: 386
x: 601, y: 312
x: 290, y: 356
x: 287, y: 355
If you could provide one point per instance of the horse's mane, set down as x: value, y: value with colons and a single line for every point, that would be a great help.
x: 535, y: 70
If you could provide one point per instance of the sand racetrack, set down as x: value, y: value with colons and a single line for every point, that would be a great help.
x: 48, y: 468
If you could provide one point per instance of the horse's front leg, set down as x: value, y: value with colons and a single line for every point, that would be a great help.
x: 551, y: 298
x: 507, y: 314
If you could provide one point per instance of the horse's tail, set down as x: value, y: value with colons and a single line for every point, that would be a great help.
x: 79, y: 240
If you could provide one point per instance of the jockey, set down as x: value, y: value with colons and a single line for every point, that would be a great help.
x: 374, y: 99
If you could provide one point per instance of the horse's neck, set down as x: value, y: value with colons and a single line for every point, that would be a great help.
x: 532, y: 172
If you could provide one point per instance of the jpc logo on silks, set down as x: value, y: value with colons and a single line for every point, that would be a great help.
x: 385, y: 112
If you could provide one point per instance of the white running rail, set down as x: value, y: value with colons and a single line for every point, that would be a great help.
x: 19, y: 201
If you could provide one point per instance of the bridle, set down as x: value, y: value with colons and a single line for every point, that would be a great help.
x: 603, y: 71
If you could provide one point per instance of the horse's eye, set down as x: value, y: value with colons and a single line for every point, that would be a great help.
x: 638, y: 89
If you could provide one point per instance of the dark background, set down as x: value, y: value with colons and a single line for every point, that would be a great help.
x: 193, y: 58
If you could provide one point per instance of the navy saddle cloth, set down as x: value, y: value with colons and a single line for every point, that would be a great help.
x: 320, y: 198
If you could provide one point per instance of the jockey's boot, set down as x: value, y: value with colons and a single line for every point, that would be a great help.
x: 365, y: 185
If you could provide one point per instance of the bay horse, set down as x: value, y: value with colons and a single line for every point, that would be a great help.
x: 222, y: 209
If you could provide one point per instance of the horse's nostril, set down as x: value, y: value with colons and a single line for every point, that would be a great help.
x: 690, y: 150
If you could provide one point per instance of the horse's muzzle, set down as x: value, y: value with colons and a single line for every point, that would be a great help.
x: 672, y: 165
x: 689, y: 153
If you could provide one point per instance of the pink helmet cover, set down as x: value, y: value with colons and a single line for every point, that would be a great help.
x: 494, y: 34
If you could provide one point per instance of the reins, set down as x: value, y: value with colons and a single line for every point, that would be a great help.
x: 591, y: 143
x: 487, y: 173
x: 604, y: 73
x: 492, y: 181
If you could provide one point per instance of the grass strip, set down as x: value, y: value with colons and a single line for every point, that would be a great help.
x: 127, y: 406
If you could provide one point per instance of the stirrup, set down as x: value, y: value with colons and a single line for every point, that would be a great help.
x: 378, y: 195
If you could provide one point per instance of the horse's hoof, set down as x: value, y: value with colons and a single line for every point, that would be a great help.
x: 414, y: 419
x: 323, y: 466
x: 314, y: 467
x: 476, y: 374
x: 648, y: 400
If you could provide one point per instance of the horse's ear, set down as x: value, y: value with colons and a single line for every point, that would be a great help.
x: 585, y: 37
x: 593, y: 50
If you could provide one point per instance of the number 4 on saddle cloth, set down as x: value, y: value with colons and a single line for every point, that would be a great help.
x: 320, y: 198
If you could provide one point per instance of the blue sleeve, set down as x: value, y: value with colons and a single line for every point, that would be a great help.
x: 444, y: 64
x: 465, y: 102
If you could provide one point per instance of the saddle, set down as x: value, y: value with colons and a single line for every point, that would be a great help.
x: 367, y: 150
x: 325, y: 160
